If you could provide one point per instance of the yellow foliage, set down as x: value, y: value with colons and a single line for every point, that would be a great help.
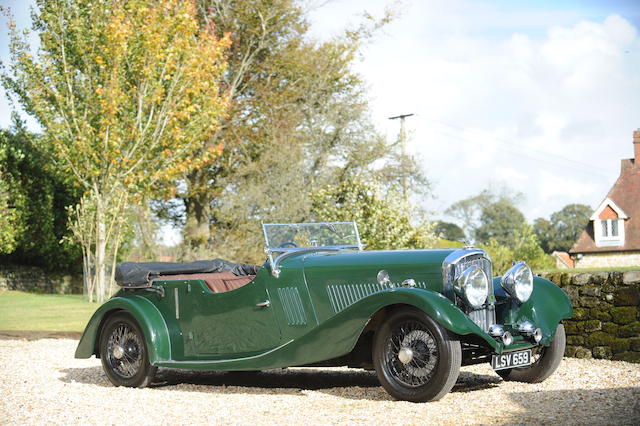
x: 126, y: 91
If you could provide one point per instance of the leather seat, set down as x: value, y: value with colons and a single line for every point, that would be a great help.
x: 218, y: 282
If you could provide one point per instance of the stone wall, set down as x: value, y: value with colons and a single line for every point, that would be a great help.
x: 29, y: 278
x: 606, y: 314
x: 608, y: 260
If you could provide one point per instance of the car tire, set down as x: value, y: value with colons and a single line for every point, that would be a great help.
x: 124, y: 353
x: 415, y: 358
x: 548, y: 361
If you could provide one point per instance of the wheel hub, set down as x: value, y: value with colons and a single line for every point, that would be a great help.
x: 118, y: 352
x: 422, y: 347
x: 405, y: 355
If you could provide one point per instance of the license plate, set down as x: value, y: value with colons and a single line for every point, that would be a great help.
x: 511, y: 360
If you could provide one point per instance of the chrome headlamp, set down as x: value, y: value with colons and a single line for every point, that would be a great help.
x: 473, y: 286
x: 518, y: 281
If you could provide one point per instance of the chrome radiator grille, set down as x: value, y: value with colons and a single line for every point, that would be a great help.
x: 484, y: 317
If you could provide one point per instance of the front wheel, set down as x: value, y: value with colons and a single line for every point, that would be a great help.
x: 124, y: 354
x: 547, y: 360
x: 415, y: 358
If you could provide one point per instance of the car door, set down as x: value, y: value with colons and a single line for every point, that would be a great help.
x: 230, y: 324
x: 290, y: 300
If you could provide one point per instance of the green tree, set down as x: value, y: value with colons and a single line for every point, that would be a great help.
x: 127, y: 94
x: 499, y: 221
x: 11, y: 202
x: 544, y: 232
x: 33, y: 228
x: 525, y: 247
x: 298, y: 121
x: 384, y: 220
x: 470, y: 210
x: 563, y: 228
x: 448, y: 231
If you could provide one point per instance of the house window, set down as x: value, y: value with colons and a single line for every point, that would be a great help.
x: 611, y: 232
x: 608, y: 225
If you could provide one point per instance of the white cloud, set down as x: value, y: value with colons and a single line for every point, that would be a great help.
x: 545, y: 103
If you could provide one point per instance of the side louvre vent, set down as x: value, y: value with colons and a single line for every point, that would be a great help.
x: 292, y: 306
x: 344, y: 295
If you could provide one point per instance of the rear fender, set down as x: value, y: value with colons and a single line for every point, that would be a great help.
x: 154, y: 328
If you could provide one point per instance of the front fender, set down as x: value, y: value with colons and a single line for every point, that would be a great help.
x: 344, y: 328
x: 154, y: 328
x: 438, y: 307
x: 547, y: 306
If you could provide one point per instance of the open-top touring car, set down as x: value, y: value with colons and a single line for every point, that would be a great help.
x: 415, y: 316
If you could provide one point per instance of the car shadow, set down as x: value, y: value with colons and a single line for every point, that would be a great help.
x: 286, y: 381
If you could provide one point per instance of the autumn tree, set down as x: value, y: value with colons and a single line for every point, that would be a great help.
x: 127, y: 94
x: 298, y: 121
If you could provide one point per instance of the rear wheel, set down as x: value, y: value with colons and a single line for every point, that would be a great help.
x: 415, y: 358
x: 547, y: 360
x: 123, y: 352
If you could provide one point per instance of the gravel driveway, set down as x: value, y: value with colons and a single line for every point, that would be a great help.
x: 41, y: 382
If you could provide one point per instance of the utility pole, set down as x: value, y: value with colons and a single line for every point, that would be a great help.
x: 402, y: 137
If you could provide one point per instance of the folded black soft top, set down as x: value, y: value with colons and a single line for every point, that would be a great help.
x: 137, y: 274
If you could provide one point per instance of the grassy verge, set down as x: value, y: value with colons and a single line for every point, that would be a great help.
x: 46, y: 312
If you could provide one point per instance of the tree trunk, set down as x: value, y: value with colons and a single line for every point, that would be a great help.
x: 197, y: 230
x: 101, y: 251
x: 87, y: 277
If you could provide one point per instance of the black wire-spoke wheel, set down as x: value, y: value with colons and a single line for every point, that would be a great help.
x: 545, y: 361
x: 411, y: 354
x: 415, y: 358
x: 123, y: 352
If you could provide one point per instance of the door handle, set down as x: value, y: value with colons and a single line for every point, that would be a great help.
x: 264, y: 304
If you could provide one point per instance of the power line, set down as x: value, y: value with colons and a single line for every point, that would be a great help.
x: 546, y: 154
x: 541, y: 162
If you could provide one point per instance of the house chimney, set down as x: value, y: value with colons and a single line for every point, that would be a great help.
x: 636, y: 146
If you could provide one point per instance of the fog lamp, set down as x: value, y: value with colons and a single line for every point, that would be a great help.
x: 537, y: 335
x: 526, y: 328
x: 507, y: 338
x: 496, y: 330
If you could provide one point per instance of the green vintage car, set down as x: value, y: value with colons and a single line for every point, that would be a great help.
x: 415, y: 316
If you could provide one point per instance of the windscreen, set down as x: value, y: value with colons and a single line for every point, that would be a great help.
x: 291, y: 235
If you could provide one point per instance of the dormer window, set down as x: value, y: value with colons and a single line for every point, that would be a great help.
x: 609, y: 228
x: 608, y: 225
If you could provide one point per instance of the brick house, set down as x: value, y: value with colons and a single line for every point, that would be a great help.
x: 612, y: 236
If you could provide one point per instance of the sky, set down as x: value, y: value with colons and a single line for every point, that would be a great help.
x: 539, y: 96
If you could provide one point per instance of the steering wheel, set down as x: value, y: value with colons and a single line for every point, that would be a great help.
x: 288, y: 244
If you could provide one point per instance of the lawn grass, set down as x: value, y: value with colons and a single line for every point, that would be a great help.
x: 44, y: 312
